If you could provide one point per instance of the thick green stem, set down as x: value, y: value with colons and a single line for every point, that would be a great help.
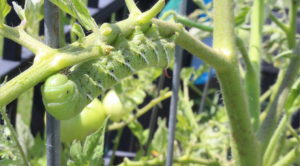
x: 140, y: 112
x: 289, y: 158
x: 14, y: 135
x: 243, y: 141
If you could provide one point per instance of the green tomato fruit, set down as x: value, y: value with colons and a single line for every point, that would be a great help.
x: 113, y: 106
x: 84, y: 124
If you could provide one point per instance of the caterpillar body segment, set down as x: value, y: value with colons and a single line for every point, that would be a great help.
x: 65, y: 96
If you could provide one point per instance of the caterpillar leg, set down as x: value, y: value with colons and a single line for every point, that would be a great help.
x: 166, y: 73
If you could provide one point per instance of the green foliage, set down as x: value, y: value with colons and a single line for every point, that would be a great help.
x: 92, y: 151
x: 204, y: 139
x: 4, y: 10
x: 79, y: 32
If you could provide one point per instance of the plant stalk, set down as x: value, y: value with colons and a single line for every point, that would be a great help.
x: 252, y: 77
x: 243, y: 141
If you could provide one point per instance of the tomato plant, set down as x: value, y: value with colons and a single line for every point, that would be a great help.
x: 238, y: 134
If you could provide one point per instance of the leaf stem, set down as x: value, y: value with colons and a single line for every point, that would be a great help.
x: 14, y: 135
x: 142, y: 111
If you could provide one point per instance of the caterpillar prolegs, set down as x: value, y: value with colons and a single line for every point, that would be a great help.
x: 65, y: 96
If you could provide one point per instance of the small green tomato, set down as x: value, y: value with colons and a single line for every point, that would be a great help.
x: 113, y: 106
x: 84, y: 124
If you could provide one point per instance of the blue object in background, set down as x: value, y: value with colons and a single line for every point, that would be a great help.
x: 196, y: 62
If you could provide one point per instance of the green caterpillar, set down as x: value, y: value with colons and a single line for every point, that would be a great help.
x: 65, y: 96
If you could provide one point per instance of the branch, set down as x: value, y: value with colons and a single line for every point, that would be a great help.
x: 140, y: 112
x: 278, y: 23
x: 19, y: 36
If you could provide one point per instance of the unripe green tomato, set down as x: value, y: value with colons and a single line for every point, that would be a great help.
x: 113, y: 106
x: 84, y: 124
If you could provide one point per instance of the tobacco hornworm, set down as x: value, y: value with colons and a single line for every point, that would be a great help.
x: 65, y: 96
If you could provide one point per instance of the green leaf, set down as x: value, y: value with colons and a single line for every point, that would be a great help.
x: 160, y: 139
x: 186, y: 73
x: 284, y: 54
x: 138, y: 131
x: 241, y: 17
x: 4, y: 82
x: 293, y: 94
x: 39, y: 146
x: 76, y: 152
x: 72, y: 163
x: 77, y: 29
x: 24, y: 135
x: 145, y: 136
x: 78, y: 10
x: 19, y: 10
x: 4, y: 10
x: 32, y: 7
x: 93, y: 146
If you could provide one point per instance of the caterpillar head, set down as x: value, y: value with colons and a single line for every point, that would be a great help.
x: 58, y: 93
